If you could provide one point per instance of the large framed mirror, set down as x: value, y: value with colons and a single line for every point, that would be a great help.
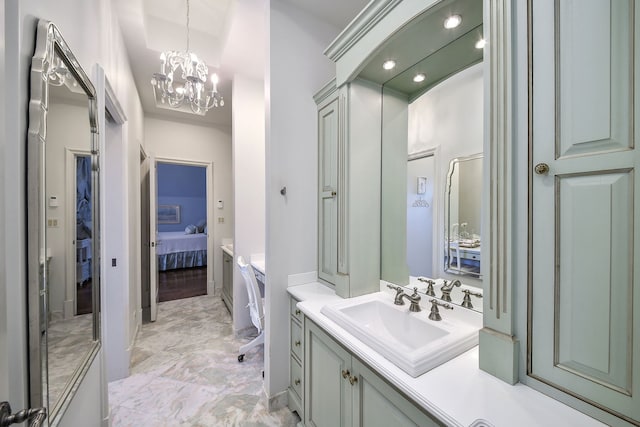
x: 63, y: 223
x: 462, y: 212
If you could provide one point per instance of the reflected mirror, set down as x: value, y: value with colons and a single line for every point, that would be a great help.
x: 432, y: 112
x: 63, y: 223
x: 463, y: 204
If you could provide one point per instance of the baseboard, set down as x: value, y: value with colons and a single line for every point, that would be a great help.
x: 302, y: 278
x: 277, y: 401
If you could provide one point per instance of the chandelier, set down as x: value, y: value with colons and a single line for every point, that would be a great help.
x: 182, y: 79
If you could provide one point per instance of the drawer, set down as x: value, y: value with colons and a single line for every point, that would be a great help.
x: 295, y: 312
x: 295, y: 377
x: 296, y: 340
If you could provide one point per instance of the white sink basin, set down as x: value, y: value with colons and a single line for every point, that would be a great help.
x: 410, y: 341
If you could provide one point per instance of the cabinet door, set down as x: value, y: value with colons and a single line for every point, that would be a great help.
x: 327, y: 395
x: 585, y: 254
x: 328, y: 135
x: 377, y: 404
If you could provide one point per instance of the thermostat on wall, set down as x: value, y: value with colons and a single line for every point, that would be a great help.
x: 220, y: 204
x: 53, y: 201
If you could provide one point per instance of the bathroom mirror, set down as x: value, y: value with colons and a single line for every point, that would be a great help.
x: 463, y: 206
x: 432, y: 112
x: 63, y: 223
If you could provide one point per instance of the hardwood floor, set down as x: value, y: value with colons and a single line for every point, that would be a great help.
x: 182, y: 283
x: 83, y: 295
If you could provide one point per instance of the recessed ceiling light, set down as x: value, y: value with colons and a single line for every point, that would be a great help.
x: 419, y: 78
x: 452, y: 22
x: 389, y: 64
x: 480, y: 44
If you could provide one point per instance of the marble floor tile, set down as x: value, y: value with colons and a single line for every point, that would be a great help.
x: 185, y: 372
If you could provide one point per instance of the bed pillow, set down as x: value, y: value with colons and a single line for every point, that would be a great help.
x: 190, y: 229
x: 201, y: 225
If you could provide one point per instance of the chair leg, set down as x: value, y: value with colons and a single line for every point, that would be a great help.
x: 253, y: 343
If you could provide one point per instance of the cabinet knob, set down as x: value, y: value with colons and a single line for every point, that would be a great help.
x: 334, y: 194
x: 345, y: 373
x: 297, y: 312
x: 541, y: 168
x: 297, y: 343
x: 353, y: 379
x: 297, y: 381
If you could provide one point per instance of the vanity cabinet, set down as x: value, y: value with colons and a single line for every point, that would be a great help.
x: 227, y: 281
x: 349, y: 186
x: 296, y: 358
x: 340, y: 390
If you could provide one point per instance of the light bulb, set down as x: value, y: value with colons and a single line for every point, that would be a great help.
x: 452, y: 22
x: 419, y: 78
x: 214, y: 78
x: 389, y: 64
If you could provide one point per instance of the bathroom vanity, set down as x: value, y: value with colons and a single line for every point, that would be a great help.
x: 345, y: 382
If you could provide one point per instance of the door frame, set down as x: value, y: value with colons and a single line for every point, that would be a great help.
x: 211, y: 225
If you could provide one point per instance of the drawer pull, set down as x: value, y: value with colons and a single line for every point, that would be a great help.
x: 297, y: 312
x: 345, y: 374
x: 297, y: 381
x: 297, y: 343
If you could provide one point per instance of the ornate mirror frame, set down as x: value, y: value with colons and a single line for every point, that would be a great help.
x: 50, y: 46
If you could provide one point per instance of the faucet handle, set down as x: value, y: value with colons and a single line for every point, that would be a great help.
x: 415, y: 294
x: 430, y: 284
x: 399, y: 292
x: 466, y: 301
x: 435, y: 314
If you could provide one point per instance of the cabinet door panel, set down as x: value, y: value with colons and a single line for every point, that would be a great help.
x: 584, y: 264
x: 328, y: 183
x: 327, y: 396
x: 380, y: 405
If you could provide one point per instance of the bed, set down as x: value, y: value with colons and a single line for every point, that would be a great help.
x: 176, y: 249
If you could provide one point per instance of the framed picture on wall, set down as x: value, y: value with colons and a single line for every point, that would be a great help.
x: 168, y: 214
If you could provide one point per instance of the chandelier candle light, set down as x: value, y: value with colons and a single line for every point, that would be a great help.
x: 183, y: 77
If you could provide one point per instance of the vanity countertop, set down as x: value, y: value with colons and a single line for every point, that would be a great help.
x: 457, y: 392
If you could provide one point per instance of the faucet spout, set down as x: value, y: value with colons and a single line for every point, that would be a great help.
x: 414, y: 299
x: 446, y: 289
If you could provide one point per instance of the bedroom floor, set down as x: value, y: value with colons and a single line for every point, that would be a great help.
x: 185, y: 372
x: 182, y: 283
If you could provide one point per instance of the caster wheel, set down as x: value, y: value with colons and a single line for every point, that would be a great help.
x: 241, y: 358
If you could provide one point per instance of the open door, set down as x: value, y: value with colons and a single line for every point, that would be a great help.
x: 153, y: 231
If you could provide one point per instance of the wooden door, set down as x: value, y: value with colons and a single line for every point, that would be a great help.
x: 153, y: 232
x: 584, y: 202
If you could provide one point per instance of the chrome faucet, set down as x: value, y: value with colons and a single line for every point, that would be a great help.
x: 435, y: 314
x: 446, y: 289
x: 414, y: 298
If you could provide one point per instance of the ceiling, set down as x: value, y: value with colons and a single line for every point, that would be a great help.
x: 229, y: 35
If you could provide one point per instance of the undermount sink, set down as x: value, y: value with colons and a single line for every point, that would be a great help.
x: 409, y: 340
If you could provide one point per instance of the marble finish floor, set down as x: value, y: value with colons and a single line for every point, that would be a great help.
x: 185, y: 372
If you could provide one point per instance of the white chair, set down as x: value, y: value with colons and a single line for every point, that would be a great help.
x: 256, y: 308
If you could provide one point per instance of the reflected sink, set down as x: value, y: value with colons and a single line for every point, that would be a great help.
x: 410, y: 341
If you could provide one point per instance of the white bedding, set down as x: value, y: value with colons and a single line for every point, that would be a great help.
x: 176, y: 241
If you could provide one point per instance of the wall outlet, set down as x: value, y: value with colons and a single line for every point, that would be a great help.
x: 220, y: 220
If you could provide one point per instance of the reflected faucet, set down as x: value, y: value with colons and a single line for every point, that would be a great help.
x: 446, y: 289
x: 430, y: 284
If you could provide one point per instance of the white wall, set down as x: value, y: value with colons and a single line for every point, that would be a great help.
x: 248, y: 184
x: 449, y: 116
x: 89, y: 27
x: 420, y: 241
x: 296, y: 70
x: 182, y: 141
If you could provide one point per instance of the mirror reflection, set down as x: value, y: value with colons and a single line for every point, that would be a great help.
x: 463, y: 197
x: 432, y: 113
x: 63, y: 216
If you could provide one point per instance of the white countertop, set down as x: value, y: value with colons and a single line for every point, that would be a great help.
x: 457, y: 392
x: 258, y: 264
x: 228, y: 249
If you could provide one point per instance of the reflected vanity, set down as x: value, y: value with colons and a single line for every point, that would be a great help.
x: 63, y: 224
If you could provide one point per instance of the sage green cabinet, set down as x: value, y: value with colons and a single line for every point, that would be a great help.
x: 227, y: 281
x: 340, y: 390
x: 296, y: 358
x: 349, y: 141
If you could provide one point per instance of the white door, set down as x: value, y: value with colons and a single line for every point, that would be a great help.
x: 153, y: 231
x: 584, y: 207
